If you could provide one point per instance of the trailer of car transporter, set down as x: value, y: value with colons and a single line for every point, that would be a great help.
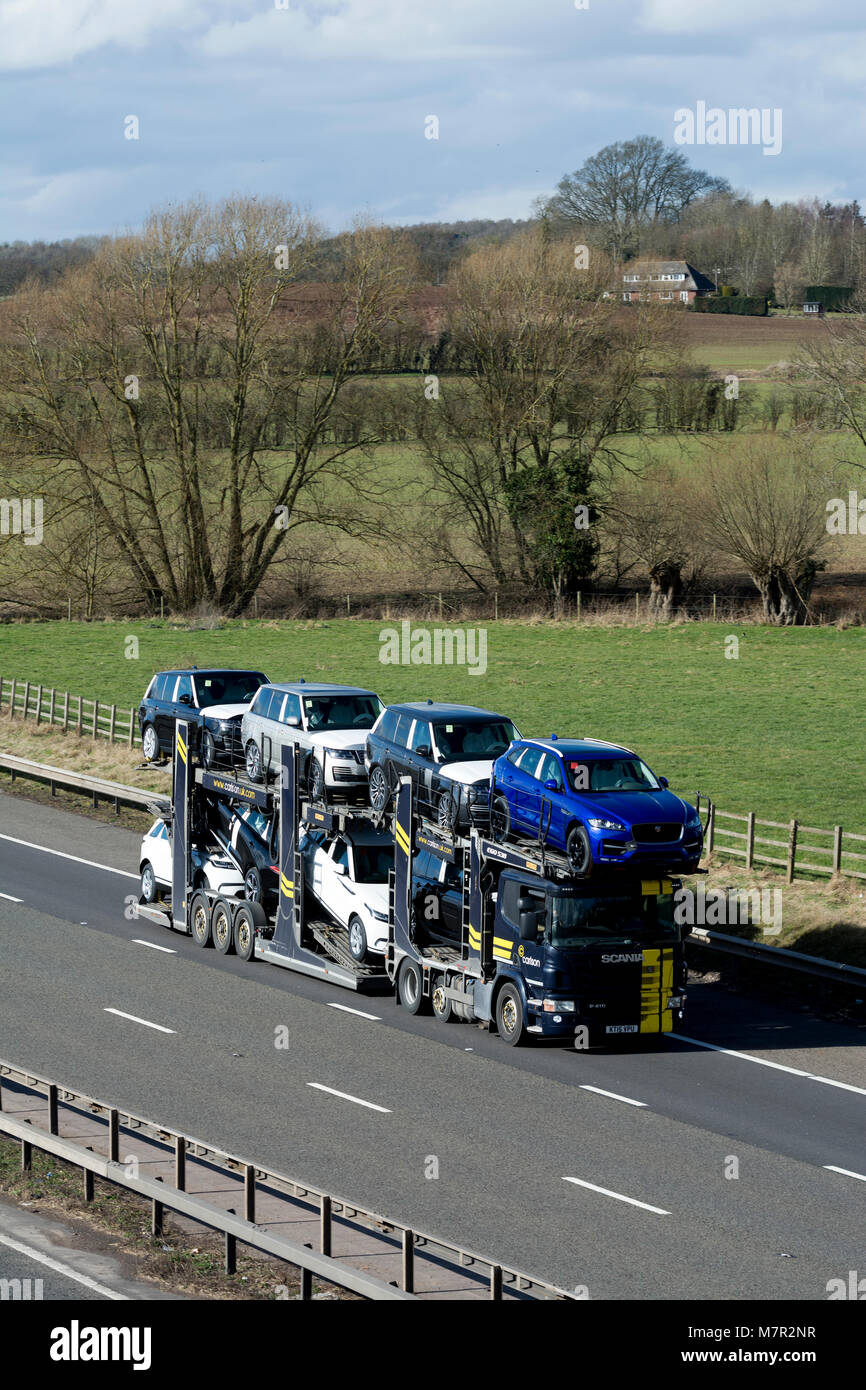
x: 295, y: 936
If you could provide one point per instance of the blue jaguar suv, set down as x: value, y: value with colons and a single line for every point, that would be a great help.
x: 598, y: 802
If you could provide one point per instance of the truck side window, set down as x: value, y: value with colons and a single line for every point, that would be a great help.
x: 509, y: 892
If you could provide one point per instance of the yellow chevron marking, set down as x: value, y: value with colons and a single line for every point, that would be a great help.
x: 181, y: 747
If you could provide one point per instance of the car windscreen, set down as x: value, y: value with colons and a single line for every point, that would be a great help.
x: 473, y: 739
x: 227, y: 687
x: 580, y: 921
x: 373, y: 863
x: 609, y: 775
x: 341, y: 711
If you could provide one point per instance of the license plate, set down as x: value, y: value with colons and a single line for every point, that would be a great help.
x: 622, y: 1028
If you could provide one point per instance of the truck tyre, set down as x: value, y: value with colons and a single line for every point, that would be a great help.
x: 410, y: 987
x: 579, y: 851
x: 357, y: 939
x: 199, y: 920
x: 500, y: 819
x: 149, y: 743
x: 221, y: 927
x: 248, y: 917
x: 253, y: 760
x: 378, y: 789
x: 149, y: 890
x: 443, y: 1009
x: 509, y: 1016
x: 253, y: 885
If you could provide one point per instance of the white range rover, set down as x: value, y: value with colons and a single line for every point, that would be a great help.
x: 330, y: 722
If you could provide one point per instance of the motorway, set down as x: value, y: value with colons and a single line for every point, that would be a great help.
x: 610, y: 1171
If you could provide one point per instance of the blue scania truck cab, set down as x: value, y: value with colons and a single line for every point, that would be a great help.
x: 540, y: 953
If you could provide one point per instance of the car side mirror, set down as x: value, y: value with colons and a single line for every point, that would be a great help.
x: 339, y: 869
x: 424, y: 751
x: 663, y: 782
x: 293, y: 721
x: 184, y: 699
x: 551, y: 785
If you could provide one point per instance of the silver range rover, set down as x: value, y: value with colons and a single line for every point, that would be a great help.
x: 330, y: 722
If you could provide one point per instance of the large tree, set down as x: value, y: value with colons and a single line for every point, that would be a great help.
x: 169, y: 384
x: 628, y: 189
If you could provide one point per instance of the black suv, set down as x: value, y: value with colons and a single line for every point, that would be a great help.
x: 252, y: 839
x: 437, y: 899
x: 213, y: 701
x: 447, y: 750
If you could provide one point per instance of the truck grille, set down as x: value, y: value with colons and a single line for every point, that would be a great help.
x: 657, y: 834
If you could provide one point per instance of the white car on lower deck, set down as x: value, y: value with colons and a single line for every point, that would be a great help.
x: 348, y: 873
x: 212, y: 870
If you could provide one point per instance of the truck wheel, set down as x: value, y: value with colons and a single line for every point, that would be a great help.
x: 378, y: 789
x: 149, y: 890
x: 410, y: 988
x: 221, y: 926
x: 316, y: 781
x: 500, y: 819
x: 253, y: 885
x: 253, y: 759
x: 579, y: 851
x: 199, y: 920
x: 149, y: 743
x: 247, y: 918
x: 442, y: 1007
x: 357, y: 939
x: 509, y: 1016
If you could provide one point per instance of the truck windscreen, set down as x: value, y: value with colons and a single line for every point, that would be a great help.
x: 579, y: 921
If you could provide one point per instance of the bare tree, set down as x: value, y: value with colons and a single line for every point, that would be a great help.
x: 166, y: 383
x: 648, y: 521
x: 789, y: 284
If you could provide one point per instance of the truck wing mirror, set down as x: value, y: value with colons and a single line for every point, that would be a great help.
x: 529, y: 925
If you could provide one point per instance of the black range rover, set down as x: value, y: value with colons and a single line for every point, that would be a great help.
x: 212, y: 700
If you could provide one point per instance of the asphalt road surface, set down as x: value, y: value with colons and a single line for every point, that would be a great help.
x: 726, y: 1162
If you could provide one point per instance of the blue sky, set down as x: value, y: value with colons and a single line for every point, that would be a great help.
x: 324, y: 102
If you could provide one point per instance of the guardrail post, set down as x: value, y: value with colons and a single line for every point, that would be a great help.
x: 750, y: 839
x: 180, y: 1163
x: 157, y: 1212
x: 88, y: 1185
x: 711, y: 828
x: 325, y: 1222
x: 52, y: 1109
x: 231, y: 1254
x: 496, y: 1283
x: 792, y: 852
x: 837, y: 849
x: 306, y: 1285
x: 250, y: 1193
x: 113, y: 1135
x: 409, y: 1261
x: 26, y: 1156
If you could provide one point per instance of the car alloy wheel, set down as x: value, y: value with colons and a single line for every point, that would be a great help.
x: 150, y: 743
x: 378, y: 789
x: 253, y: 761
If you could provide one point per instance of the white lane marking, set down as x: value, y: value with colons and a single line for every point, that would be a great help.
x: 605, y: 1192
x: 613, y: 1096
x: 344, y: 1008
x: 61, y: 854
x: 137, y: 941
x: 63, y: 1269
x: 9, y: 898
x: 777, y: 1066
x: 317, y: 1086
x: 846, y: 1172
x: 134, y: 1019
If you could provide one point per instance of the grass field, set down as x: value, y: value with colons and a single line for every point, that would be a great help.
x: 777, y: 731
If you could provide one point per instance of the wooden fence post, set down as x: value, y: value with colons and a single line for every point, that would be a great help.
x: 51, y: 704
x: 12, y: 699
x: 65, y: 710
x: 111, y: 723
x: 38, y: 703
x: 837, y: 849
x: 131, y: 726
x: 792, y: 852
x: 80, y: 716
x: 95, y: 718
x: 711, y: 828
x: 750, y: 839
x: 26, y: 697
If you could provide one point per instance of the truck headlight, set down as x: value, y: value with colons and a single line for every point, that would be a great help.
x: 559, y: 1006
x: 676, y: 1001
x: 599, y: 823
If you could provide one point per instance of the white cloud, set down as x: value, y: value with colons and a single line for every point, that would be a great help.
x: 737, y: 17
x: 45, y: 33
